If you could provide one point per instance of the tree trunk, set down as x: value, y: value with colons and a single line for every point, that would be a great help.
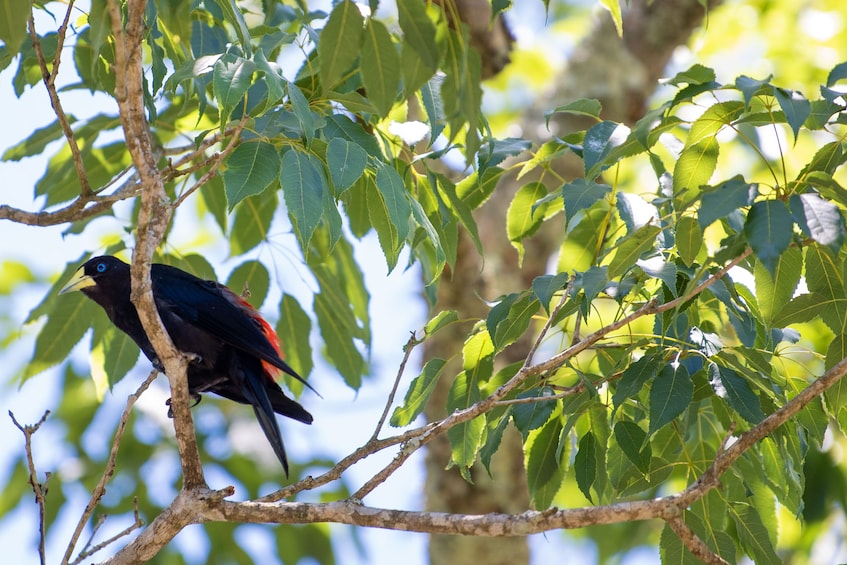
x: 622, y: 74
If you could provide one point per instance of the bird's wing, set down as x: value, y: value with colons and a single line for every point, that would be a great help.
x: 215, y: 309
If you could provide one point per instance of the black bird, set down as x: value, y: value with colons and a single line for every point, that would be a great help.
x: 236, y: 352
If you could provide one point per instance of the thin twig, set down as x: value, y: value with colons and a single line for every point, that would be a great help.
x: 548, y: 324
x: 49, y: 78
x: 109, y: 470
x: 91, y: 550
x: 39, y: 489
x: 218, y: 159
x: 407, y: 352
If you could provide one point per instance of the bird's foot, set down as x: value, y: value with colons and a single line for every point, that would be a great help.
x: 194, y: 396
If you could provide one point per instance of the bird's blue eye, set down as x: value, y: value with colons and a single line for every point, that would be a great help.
x: 101, y: 267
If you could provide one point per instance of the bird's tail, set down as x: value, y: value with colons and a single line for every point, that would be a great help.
x: 249, y: 371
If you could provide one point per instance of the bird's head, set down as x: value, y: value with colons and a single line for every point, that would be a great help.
x: 98, y: 274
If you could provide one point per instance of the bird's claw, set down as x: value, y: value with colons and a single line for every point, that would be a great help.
x: 194, y: 396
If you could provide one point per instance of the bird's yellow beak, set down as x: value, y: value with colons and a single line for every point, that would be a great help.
x: 78, y: 282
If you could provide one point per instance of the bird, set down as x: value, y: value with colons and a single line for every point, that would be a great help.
x: 234, y: 352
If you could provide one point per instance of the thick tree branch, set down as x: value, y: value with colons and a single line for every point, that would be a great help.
x: 153, y: 218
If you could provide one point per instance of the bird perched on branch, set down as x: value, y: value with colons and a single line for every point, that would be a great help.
x: 235, y: 352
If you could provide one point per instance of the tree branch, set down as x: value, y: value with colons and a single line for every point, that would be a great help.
x: 153, y: 218
x: 39, y: 489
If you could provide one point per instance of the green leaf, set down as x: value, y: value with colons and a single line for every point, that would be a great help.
x: 253, y: 277
x: 418, y: 31
x: 751, y: 87
x: 720, y: 200
x: 66, y: 323
x: 522, y: 219
x: 733, y: 388
x: 293, y: 330
x: 35, y: 143
x: 689, y: 239
x: 380, y: 65
x: 796, y: 107
x: 380, y: 219
x: 696, y: 74
x: 252, y: 222
x: 670, y: 395
x: 768, y: 229
x: 635, y: 377
x: 836, y: 395
x: 337, y: 326
x: 754, y: 536
x: 232, y: 77
x: 819, y: 219
x: 250, y: 169
x: 302, y: 111
x: 393, y: 191
x: 510, y: 318
x: 234, y: 16
x: 585, y: 465
x: 533, y: 415
x: 713, y: 120
x: 465, y: 438
x: 598, y: 142
x: 546, y: 286
x: 339, y: 43
x: 694, y: 168
x: 590, y: 107
x: 630, y: 248
x: 303, y: 186
x: 544, y: 473
x: 614, y: 9
x: 119, y: 352
x: 440, y: 320
x: 580, y: 194
x: 419, y: 392
x: 631, y: 439
x: 774, y: 291
x: 14, y: 15
x: 346, y: 162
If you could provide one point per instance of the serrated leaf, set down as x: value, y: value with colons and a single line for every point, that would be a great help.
x: 631, y: 439
x: 590, y: 107
x: 465, y: 438
x: 336, y: 327
x: 510, y: 318
x: 293, y: 329
x: 393, y: 191
x: 339, y: 43
x: 713, y: 120
x: 380, y: 64
x: 630, y: 248
x: 346, y: 162
x: 796, y: 107
x: 440, y: 320
x: 418, y: 31
x: 303, y: 186
x: 67, y: 322
x: 689, y: 240
x: 546, y: 286
x: 231, y: 78
x: 737, y: 393
x: 419, y: 392
x: 694, y: 168
x: 750, y: 87
x: 544, y: 474
x: 302, y: 111
x: 234, y: 16
x: 585, y: 465
x: 250, y: 169
x: 522, y: 220
x: 14, y: 15
x: 598, y: 142
x: 120, y: 354
x: 819, y: 219
x: 253, y: 277
x: 533, y: 415
x: 774, y: 291
x: 635, y: 377
x: 768, y: 229
x: 581, y: 194
x: 252, y: 222
x: 753, y: 534
x: 670, y: 394
x: 722, y: 199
